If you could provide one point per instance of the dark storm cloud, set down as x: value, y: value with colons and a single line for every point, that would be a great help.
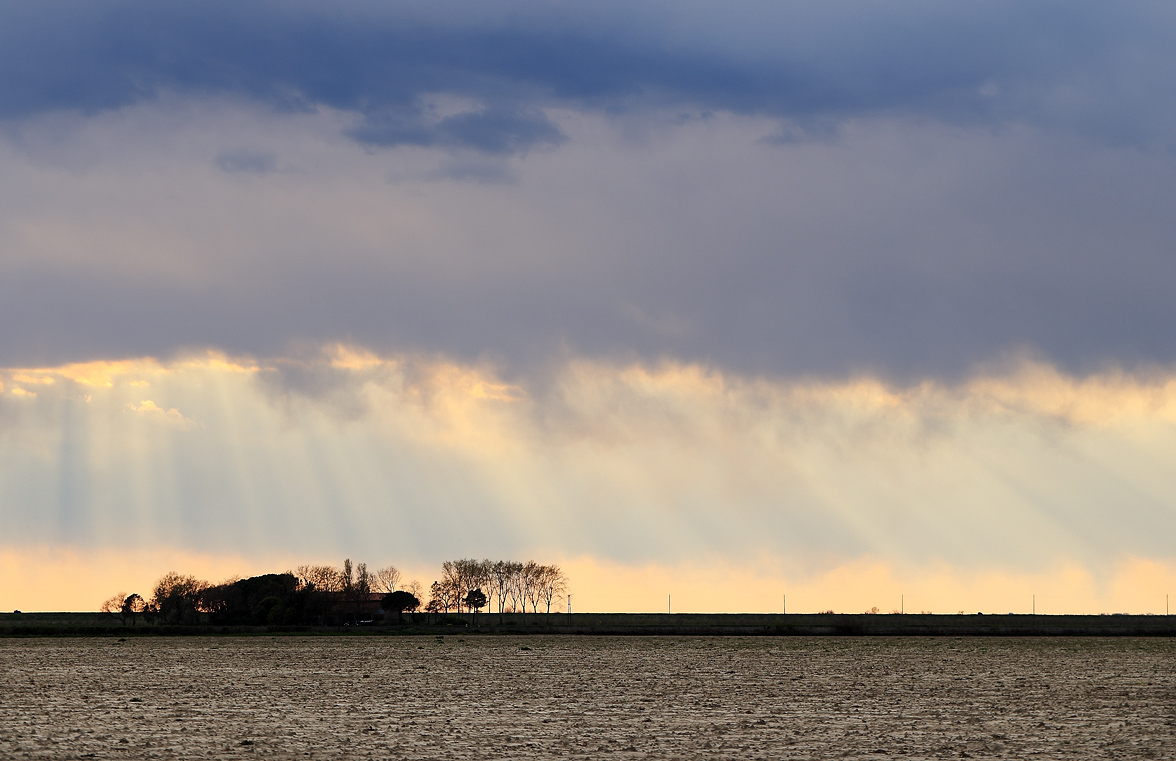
x: 1092, y: 67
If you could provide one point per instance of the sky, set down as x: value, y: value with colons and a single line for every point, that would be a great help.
x: 866, y: 304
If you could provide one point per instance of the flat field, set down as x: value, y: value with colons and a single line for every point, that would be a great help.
x: 574, y: 696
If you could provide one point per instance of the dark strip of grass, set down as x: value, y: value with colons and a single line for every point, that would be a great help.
x: 633, y: 624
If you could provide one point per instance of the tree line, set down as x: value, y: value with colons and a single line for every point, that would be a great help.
x: 329, y: 595
x: 470, y: 585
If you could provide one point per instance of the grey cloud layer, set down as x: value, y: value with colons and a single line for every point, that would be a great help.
x: 1087, y: 67
x: 797, y: 188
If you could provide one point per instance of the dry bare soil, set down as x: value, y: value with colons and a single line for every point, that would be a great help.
x: 543, y: 697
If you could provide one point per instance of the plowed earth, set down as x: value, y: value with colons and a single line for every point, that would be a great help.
x: 489, y: 697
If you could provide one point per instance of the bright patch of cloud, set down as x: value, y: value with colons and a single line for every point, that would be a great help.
x: 105, y: 374
x: 35, y: 379
x: 153, y: 411
x: 97, y: 374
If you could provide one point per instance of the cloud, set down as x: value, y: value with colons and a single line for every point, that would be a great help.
x: 416, y: 459
x: 905, y: 249
x: 1063, y: 65
x: 152, y: 411
x: 245, y: 160
x: 911, y: 189
x: 492, y: 131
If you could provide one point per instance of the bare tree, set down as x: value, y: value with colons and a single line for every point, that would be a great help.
x: 449, y: 587
x: 453, y: 579
x: 302, y: 573
x: 443, y: 596
x: 532, y: 585
x: 387, y: 580
x: 553, y: 584
x: 124, y: 606
x: 114, y: 604
x: 516, y: 588
x: 461, y: 576
x: 469, y: 578
x: 321, y: 578
x: 482, y: 581
x: 498, y: 581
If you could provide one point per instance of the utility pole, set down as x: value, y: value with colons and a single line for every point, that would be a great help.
x: 902, y: 604
x: 1035, y: 605
x: 785, y: 604
x: 669, y: 607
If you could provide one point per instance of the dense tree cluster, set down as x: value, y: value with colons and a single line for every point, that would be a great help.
x: 317, y: 595
x: 326, y: 595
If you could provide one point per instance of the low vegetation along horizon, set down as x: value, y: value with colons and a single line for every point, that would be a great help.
x: 324, y: 595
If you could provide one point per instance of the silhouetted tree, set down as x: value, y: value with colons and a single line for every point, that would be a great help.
x: 552, y: 584
x: 479, y: 578
x: 363, y: 582
x: 445, y: 593
x: 399, y: 601
x: 177, y: 598
x: 516, y: 587
x: 131, y: 607
x: 433, y: 607
x: 272, y: 598
x: 124, y: 606
x: 451, y: 585
x: 322, y: 578
x: 498, y: 580
x: 532, y: 585
x: 461, y: 576
x: 113, y: 604
x: 475, y: 600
